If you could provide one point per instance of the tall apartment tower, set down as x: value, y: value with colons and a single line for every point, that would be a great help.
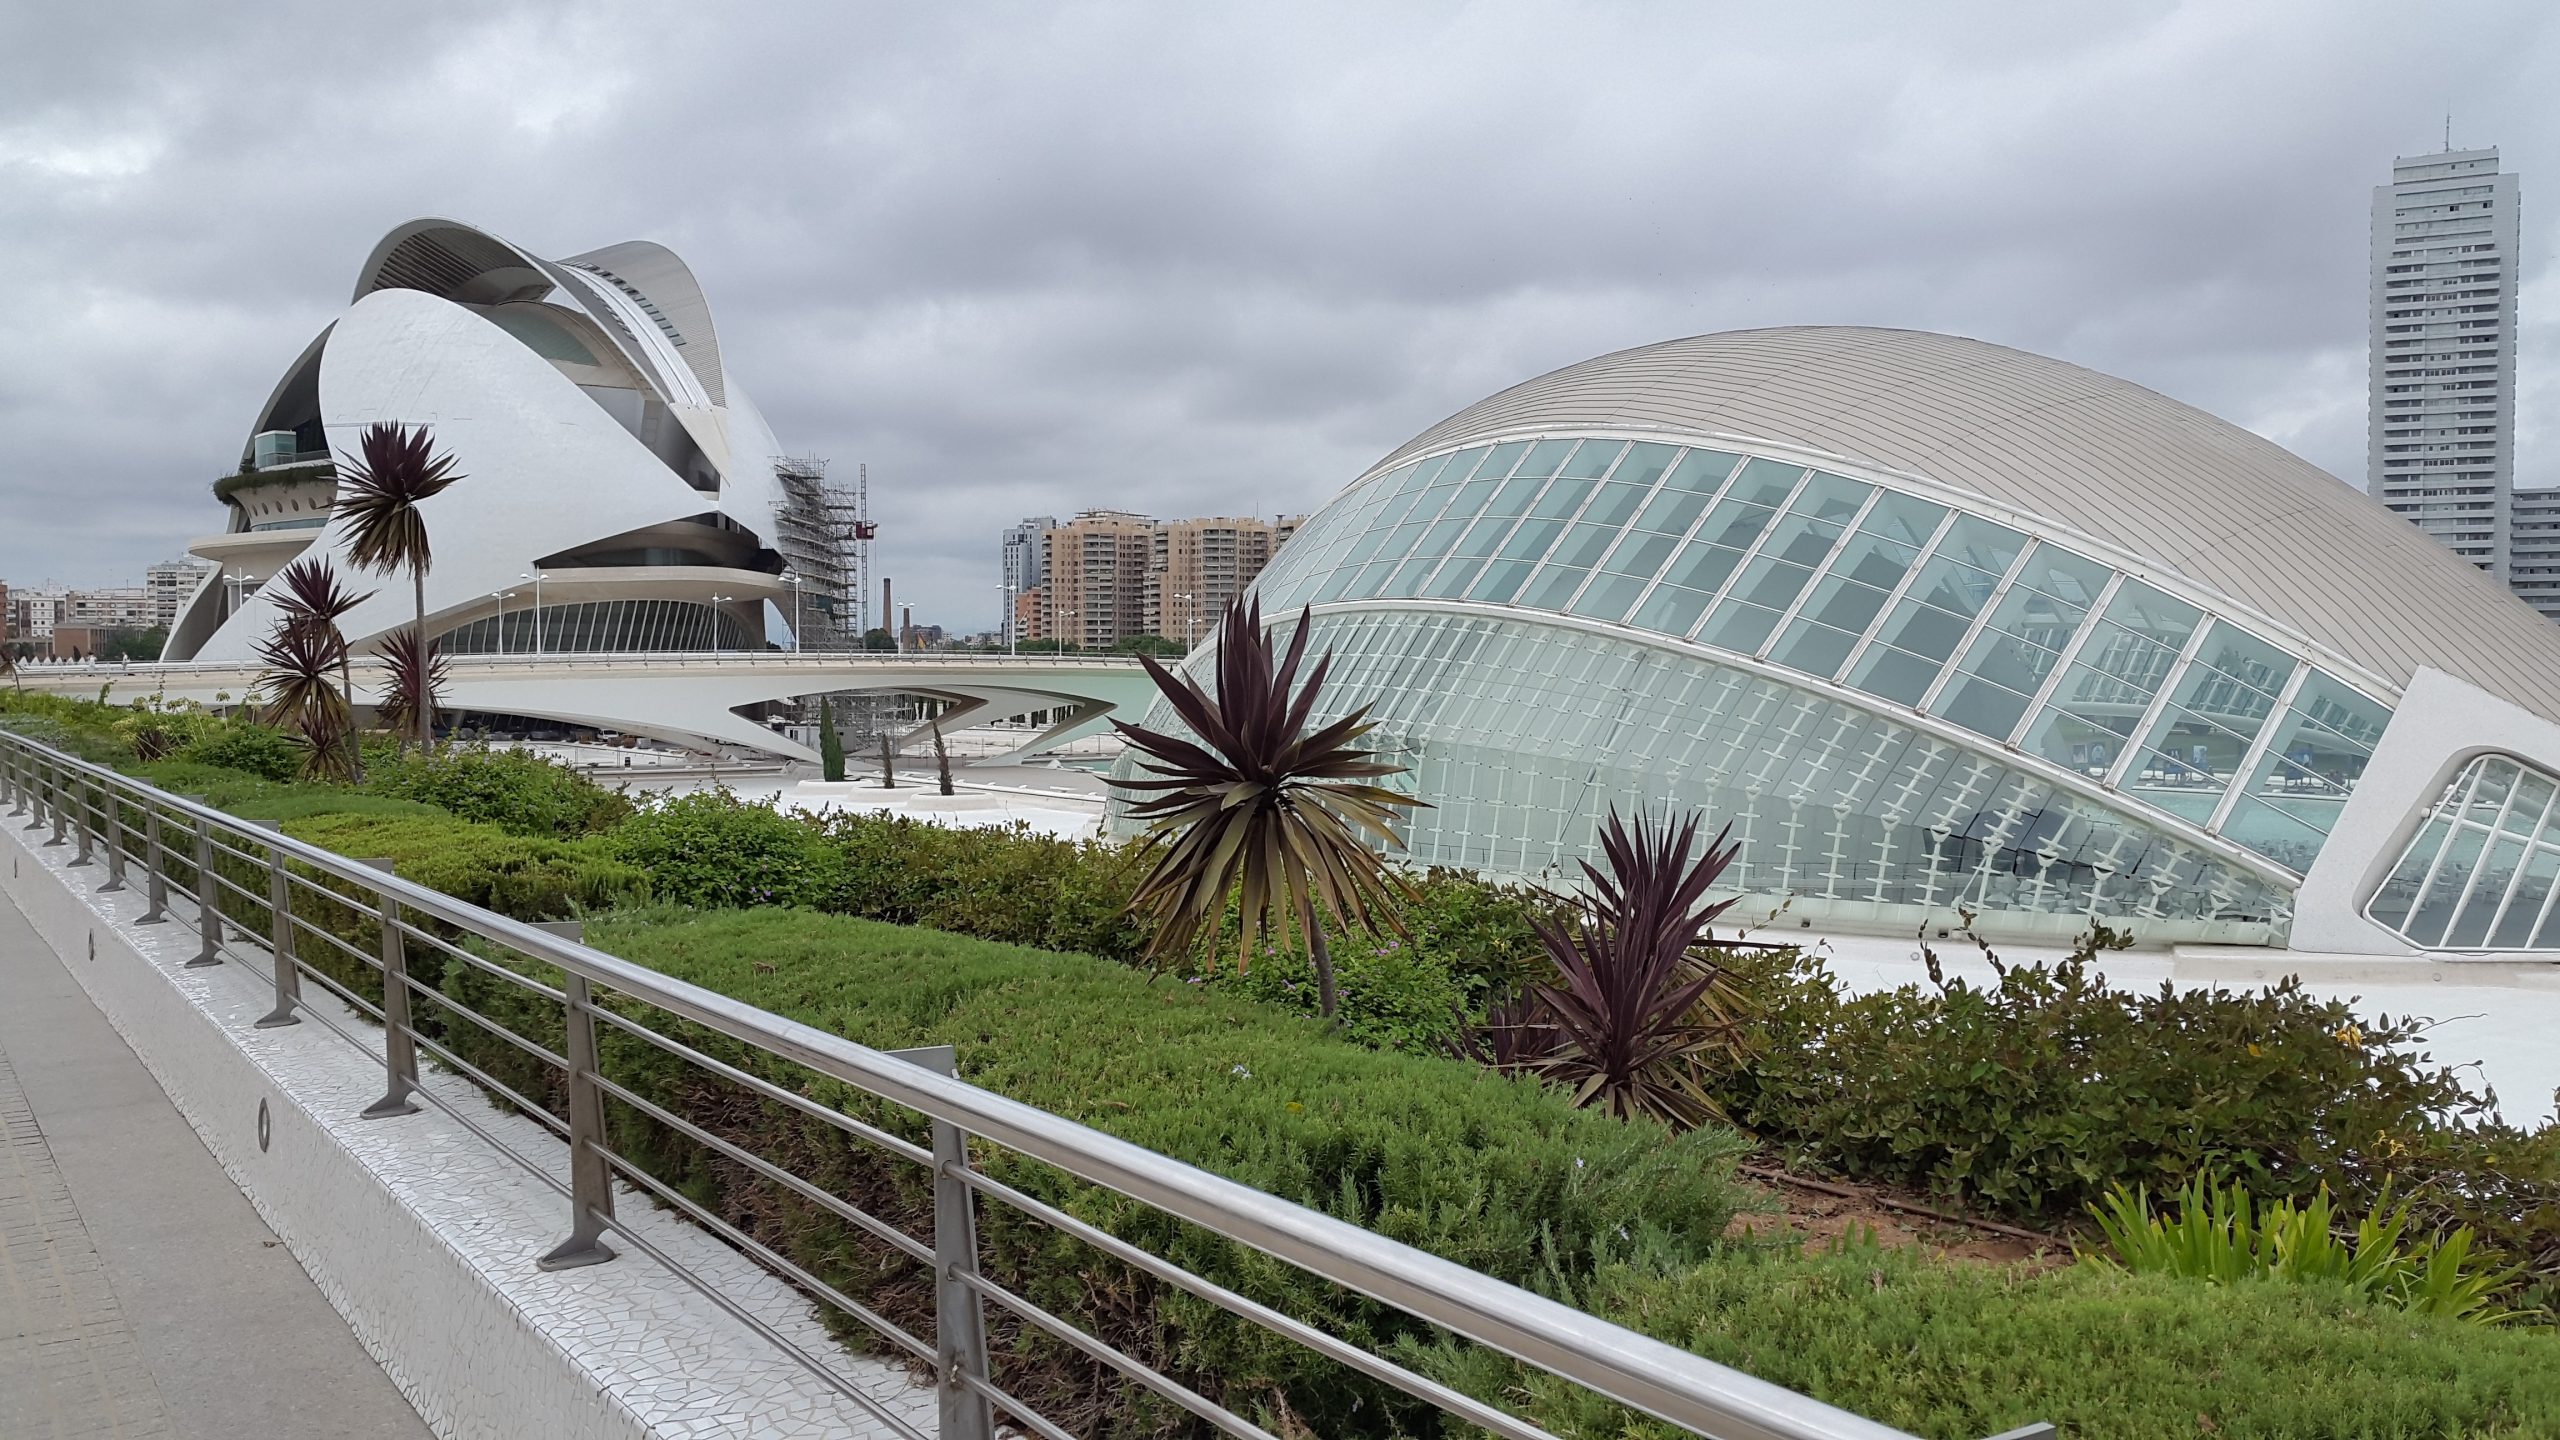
x: 1022, y: 572
x: 2440, y: 445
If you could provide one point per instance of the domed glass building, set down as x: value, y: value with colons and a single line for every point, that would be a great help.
x: 1935, y: 626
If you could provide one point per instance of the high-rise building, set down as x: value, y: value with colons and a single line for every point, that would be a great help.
x: 1093, y: 589
x: 1108, y: 575
x: 1198, y: 567
x: 2442, y: 362
x: 171, y: 584
x: 1022, y: 574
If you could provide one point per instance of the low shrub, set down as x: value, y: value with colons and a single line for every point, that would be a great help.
x: 519, y: 876
x: 2034, y: 1094
x: 1499, y: 1174
x: 517, y: 790
x: 255, y: 797
x: 1955, y: 1352
x: 1467, y: 944
x: 1006, y: 883
x: 712, y: 850
x: 259, y: 750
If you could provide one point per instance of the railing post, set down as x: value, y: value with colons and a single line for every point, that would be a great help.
x: 399, y: 1051
x: 14, y: 781
x: 208, y: 901
x: 111, y: 828
x: 53, y: 804
x: 155, y: 867
x: 280, y: 940
x: 590, y: 1178
x: 81, y: 823
x: 959, y: 1315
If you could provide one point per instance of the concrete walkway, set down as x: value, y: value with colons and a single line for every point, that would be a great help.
x: 140, y: 1294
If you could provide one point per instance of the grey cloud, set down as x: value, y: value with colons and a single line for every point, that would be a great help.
x: 1029, y: 259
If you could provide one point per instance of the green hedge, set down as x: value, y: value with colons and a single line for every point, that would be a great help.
x: 1957, y: 1352
x: 517, y: 790
x: 1499, y: 1174
x: 520, y: 876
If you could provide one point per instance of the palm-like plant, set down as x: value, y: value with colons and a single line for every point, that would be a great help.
x: 299, y: 693
x: 1260, y: 808
x: 311, y: 596
x: 379, y: 492
x: 1634, y: 1004
x: 9, y: 667
x: 413, y: 686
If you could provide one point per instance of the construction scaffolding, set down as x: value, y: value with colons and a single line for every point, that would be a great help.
x: 823, y: 534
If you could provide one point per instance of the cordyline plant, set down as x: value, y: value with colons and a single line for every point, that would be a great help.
x: 1636, y: 1004
x: 413, y: 683
x: 395, y: 470
x: 1260, y: 808
x: 298, y: 690
x: 311, y: 596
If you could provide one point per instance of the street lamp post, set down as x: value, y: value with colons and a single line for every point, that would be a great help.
x: 1006, y: 596
x: 716, y: 602
x: 792, y: 579
x: 536, y: 578
x: 502, y: 597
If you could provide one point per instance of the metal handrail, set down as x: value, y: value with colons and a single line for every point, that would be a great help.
x: 1607, y: 1359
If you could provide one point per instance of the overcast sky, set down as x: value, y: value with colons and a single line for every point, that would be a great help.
x: 1211, y: 259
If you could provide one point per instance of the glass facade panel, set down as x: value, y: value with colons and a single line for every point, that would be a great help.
x: 2021, y: 642
x: 2314, y: 755
x: 1832, y: 802
x: 613, y: 627
x: 1544, y: 458
x: 1592, y: 459
x: 2480, y: 874
x: 1888, y: 593
x: 2195, y: 749
x: 2109, y: 687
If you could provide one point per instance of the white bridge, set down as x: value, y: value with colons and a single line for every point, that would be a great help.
x: 687, y: 699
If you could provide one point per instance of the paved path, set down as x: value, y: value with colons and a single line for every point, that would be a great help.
x: 140, y: 1295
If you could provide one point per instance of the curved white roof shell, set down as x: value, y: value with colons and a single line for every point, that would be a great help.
x: 2165, y: 482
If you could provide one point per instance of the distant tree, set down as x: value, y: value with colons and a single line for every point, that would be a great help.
x: 9, y: 667
x: 395, y: 470
x: 1155, y: 645
x: 830, y: 744
x: 878, y: 639
x: 1257, y: 808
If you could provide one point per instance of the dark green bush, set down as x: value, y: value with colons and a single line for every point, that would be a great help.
x: 515, y: 789
x: 711, y: 849
x: 1467, y: 944
x: 1498, y: 1174
x: 2033, y: 1095
x: 1008, y: 884
x: 1956, y: 1352
x: 259, y: 750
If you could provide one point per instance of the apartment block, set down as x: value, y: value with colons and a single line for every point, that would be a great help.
x: 2440, y: 444
x: 1109, y: 575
